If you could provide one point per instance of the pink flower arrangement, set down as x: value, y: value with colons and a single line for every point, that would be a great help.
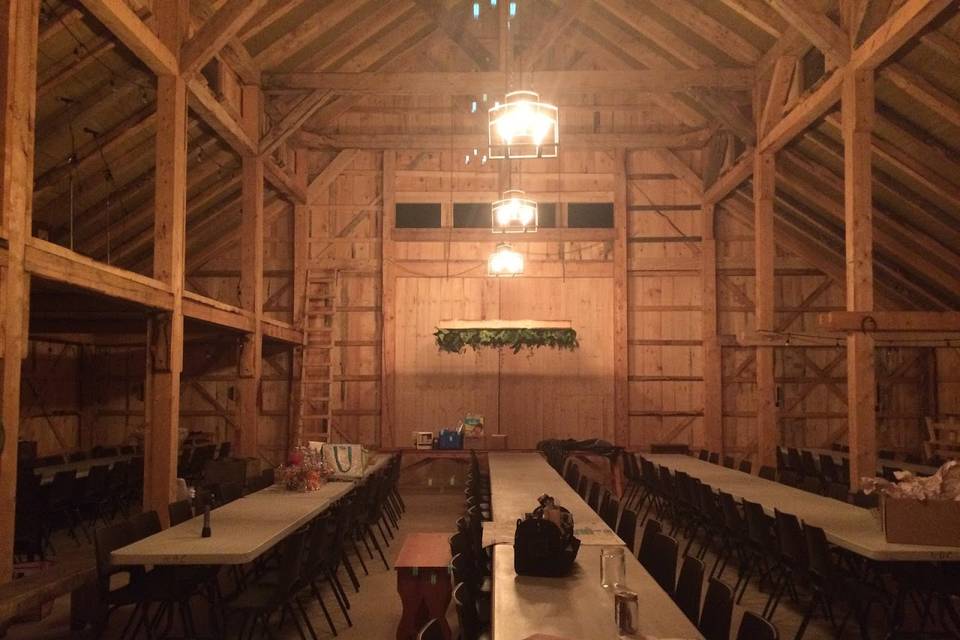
x: 305, y: 471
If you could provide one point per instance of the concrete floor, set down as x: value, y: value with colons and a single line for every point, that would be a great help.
x: 376, y: 609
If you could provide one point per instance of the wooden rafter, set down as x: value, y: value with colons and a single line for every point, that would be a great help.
x: 452, y: 21
x: 566, y: 14
x: 760, y: 14
x: 713, y: 31
x: 293, y: 120
x: 676, y: 138
x: 912, y: 16
x: 216, y: 32
x: 124, y: 23
x: 817, y: 27
x: 476, y: 82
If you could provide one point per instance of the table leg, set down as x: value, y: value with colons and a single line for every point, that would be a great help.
x: 408, y: 586
x: 437, y: 593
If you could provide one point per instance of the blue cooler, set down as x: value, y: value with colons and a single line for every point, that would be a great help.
x: 449, y: 439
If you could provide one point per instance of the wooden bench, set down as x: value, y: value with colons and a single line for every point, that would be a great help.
x: 23, y: 597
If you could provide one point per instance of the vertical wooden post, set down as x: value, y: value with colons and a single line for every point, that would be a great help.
x: 301, y: 240
x: 18, y: 81
x: 621, y: 347
x: 858, y: 114
x: 764, y: 186
x: 165, y: 330
x: 250, y: 361
x: 712, y: 371
x: 388, y: 301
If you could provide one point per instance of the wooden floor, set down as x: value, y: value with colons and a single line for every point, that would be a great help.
x: 376, y: 609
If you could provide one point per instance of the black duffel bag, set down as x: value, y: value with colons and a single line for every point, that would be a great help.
x: 544, y: 544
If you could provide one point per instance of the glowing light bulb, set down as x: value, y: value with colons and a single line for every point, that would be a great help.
x: 504, y: 261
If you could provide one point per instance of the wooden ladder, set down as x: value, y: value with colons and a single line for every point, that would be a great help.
x: 316, y: 365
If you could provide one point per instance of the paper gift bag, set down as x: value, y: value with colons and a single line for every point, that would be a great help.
x: 345, y: 460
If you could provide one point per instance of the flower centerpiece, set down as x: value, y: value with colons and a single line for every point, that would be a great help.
x: 305, y: 470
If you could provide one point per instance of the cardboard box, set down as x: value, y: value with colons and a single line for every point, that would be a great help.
x: 473, y: 441
x: 496, y: 441
x: 930, y: 522
x: 423, y: 439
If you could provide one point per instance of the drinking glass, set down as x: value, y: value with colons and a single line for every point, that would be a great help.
x: 626, y: 608
x: 613, y: 567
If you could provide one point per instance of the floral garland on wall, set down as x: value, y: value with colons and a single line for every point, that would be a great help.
x: 456, y: 340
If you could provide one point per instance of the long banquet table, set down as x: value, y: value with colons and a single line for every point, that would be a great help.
x: 838, y: 457
x: 848, y: 526
x: 242, y: 530
x: 82, y: 467
x: 576, y: 606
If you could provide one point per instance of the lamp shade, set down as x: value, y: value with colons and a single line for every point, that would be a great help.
x: 514, y: 213
x: 523, y: 127
x: 505, y: 262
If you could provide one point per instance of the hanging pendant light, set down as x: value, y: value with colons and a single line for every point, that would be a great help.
x: 505, y: 262
x: 523, y: 127
x: 514, y: 213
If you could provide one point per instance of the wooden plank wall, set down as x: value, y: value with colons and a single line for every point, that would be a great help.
x: 437, y: 279
x: 666, y: 353
x: 812, y: 405
x: 50, y: 396
x: 345, y: 222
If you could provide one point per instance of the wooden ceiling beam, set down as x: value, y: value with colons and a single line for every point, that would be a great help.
x: 925, y: 149
x: 215, y: 32
x: 89, y: 153
x: 274, y: 11
x: 942, y: 45
x: 918, y: 88
x: 293, y: 120
x: 817, y: 27
x: 789, y: 238
x: 808, y: 110
x: 220, y: 242
x: 304, y: 34
x: 601, y: 39
x: 706, y: 27
x: 342, y: 49
x: 134, y: 33
x: 676, y: 139
x: 852, y: 15
x: 870, y: 321
x: 629, y: 13
x: 776, y: 97
x: 135, y: 247
x: 237, y: 57
x: 759, y: 14
x: 912, y: 16
x: 329, y: 173
x: 791, y: 43
x: 89, y: 235
x: 50, y: 261
x: 679, y: 168
x: 730, y: 180
x: 452, y: 21
x: 919, y: 253
x: 727, y: 113
x: 284, y: 181
x: 475, y: 83
x: 205, y: 104
x: 903, y: 25
x: 72, y: 65
x: 909, y: 205
x: 566, y: 14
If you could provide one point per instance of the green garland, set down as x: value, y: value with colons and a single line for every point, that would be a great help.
x: 455, y: 340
